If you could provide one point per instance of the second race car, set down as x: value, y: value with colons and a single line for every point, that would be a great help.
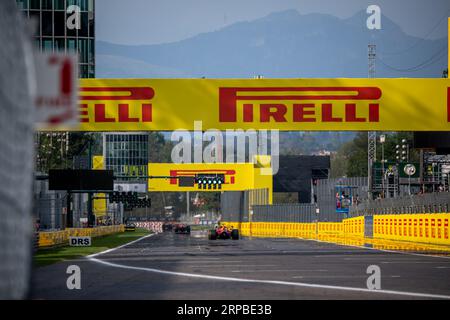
x: 182, y: 228
x: 223, y: 232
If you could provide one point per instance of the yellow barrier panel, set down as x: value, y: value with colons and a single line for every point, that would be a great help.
x: 330, y: 228
x: 275, y: 229
x: 62, y: 237
x: 415, y: 228
x: 426, y: 228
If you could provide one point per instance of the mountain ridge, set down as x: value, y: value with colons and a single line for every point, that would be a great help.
x: 283, y: 44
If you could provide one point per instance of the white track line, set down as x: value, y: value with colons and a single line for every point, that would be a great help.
x: 124, y: 245
x: 275, y: 282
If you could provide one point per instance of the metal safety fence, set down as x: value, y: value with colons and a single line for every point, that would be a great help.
x: 295, y: 212
x: 423, y: 203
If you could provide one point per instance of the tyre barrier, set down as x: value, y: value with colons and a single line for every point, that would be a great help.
x: 155, y: 226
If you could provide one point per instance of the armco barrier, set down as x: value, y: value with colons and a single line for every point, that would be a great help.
x: 52, y: 238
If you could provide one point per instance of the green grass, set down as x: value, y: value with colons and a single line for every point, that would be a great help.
x: 200, y: 227
x: 46, y: 256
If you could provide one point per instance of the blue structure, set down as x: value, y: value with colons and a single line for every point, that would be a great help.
x: 344, y: 198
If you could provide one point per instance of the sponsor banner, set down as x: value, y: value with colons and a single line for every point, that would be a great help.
x: 237, y: 176
x: 56, y: 90
x: 284, y: 104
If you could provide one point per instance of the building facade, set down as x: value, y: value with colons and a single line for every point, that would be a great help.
x: 126, y: 154
x: 65, y: 26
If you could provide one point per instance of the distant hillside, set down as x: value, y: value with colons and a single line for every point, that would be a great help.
x: 282, y: 44
x: 312, y: 142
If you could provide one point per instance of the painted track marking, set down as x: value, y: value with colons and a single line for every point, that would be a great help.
x: 273, y: 282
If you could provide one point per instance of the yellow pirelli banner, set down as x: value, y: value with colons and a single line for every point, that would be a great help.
x: 235, y: 177
x: 284, y: 104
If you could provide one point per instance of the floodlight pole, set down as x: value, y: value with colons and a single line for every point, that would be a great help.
x: 371, y: 135
x: 409, y: 184
x: 187, y: 204
x: 69, y: 216
x: 382, y: 140
x: 91, y: 217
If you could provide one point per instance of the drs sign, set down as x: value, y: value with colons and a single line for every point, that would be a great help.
x: 80, y: 241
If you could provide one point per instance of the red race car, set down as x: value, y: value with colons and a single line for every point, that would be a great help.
x: 223, y: 232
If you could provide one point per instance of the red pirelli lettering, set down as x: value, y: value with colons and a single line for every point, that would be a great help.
x: 121, y: 111
x: 229, y: 97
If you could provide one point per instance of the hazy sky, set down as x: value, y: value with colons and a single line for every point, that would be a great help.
x: 157, y: 21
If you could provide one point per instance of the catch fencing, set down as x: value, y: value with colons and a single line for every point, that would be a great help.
x: 424, y: 203
x: 326, y: 195
x: 295, y: 212
x: 234, y: 206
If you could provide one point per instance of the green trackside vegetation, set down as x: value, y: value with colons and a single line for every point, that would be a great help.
x: 46, y: 256
x: 201, y: 227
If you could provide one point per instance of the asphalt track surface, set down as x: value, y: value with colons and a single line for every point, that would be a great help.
x: 174, y: 266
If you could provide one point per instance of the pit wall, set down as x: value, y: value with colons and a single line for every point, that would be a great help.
x: 417, y: 228
x: 52, y: 238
